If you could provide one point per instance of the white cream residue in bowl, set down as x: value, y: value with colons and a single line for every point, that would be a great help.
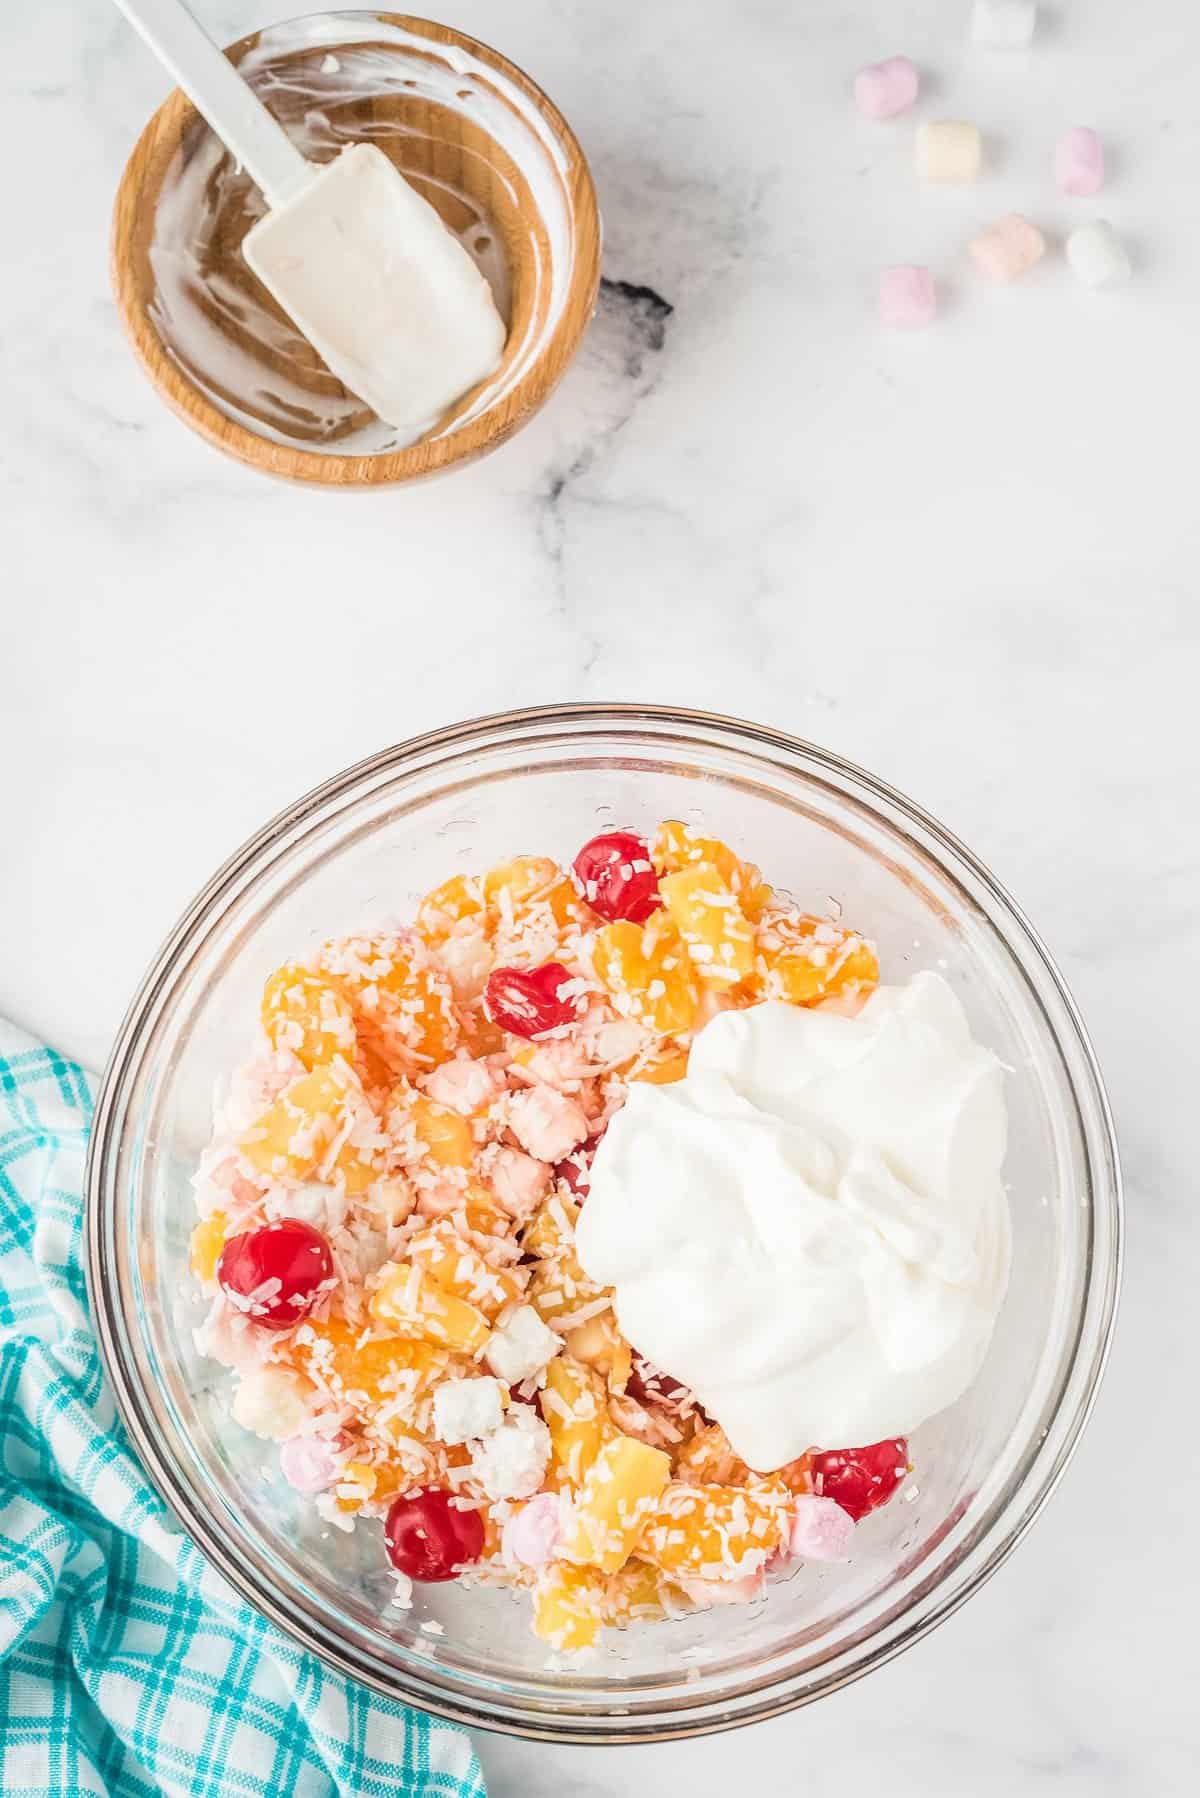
x: 220, y: 325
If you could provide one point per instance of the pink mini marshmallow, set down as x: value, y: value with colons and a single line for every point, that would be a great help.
x: 907, y: 298
x: 1079, y: 162
x: 547, y: 1124
x: 883, y: 89
x: 709, y: 1593
x: 519, y: 1182
x: 1008, y: 249
x: 821, y: 1530
x: 464, y: 1085
x: 311, y: 1463
x: 531, y: 1533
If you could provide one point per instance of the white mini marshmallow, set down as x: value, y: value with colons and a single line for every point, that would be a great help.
x: 520, y: 1347
x: 273, y: 1403
x: 466, y: 1408
x: 511, y: 1462
x: 1097, y: 255
x: 1004, y: 24
x: 948, y: 150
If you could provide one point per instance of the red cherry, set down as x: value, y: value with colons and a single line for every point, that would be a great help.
x: 615, y: 875
x: 576, y: 1170
x: 861, y: 1479
x: 648, y: 1384
x: 526, y: 1001
x: 429, y: 1538
x: 291, y: 1255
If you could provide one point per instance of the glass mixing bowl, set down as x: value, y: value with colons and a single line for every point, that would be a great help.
x: 361, y: 849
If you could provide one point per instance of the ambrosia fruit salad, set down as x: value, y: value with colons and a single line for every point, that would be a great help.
x: 657, y: 1047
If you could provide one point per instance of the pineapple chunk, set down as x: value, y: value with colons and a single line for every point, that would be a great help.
x: 648, y: 972
x: 599, y: 1343
x: 559, y: 1289
x: 576, y: 1413
x: 531, y: 887
x: 443, y: 1135
x: 459, y: 1268
x: 714, y: 1532
x: 569, y: 1605
x: 305, y: 1013
x: 415, y: 1302
x: 617, y: 1497
x: 355, y: 1487
x: 718, y: 934
x: 552, y: 1229
x: 676, y: 846
x: 208, y: 1239
x: 639, y: 1593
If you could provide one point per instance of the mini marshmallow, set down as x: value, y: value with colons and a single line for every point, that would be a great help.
x: 1097, y: 255
x: 883, y: 89
x: 463, y: 1409
x: 1004, y: 24
x: 1079, y: 162
x: 820, y: 1530
x: 948, y: 150
x: 532, y: 1532
x: 1008, y: 248
x: 313, y: 1463
x: 907, y: 298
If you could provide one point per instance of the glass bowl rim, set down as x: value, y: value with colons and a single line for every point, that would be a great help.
x: 1097, y: 1306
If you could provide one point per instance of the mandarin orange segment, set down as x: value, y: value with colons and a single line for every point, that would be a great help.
x: 616, y: 1499
x: 401, y: 1000
x: 208, y: 1239
x: 305, y: 1014
x: 569, y: 1605
x: 355, y: 1487
x: 667, y: 1066
x: 648, y: 972
x: 452, y: 903
x: 718, y: 934
x: 459, y: 1268
x: 413, y: 1301
x: 294, y: 1136
x: 576, y: 1413
x: 805, y: 960
x: 677, y: 846
x: 708, y: 1460
x: 713, y: 1532
x: 362, y: 1363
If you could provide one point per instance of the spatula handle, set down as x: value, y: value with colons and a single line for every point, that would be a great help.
x: 218, y: 92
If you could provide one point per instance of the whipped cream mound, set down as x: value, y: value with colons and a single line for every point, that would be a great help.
x: 810, y: 1230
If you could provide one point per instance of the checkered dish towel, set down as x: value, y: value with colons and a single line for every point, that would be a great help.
x: 127, y: 1666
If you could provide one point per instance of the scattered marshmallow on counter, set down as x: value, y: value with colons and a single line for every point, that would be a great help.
x: 883, y: 89
x: 1097, y: 255
x: 1079, y: 162
x: 1004, y: 24
x: 948, y: 150
x: 907, y: 298
x: 1008, y: 249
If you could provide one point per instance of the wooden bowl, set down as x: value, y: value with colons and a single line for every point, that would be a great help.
x: 473, y: 133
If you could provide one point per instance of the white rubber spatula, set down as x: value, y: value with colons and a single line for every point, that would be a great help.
x: 357, y: 259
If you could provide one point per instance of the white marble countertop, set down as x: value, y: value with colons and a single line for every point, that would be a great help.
x: 966, y: 559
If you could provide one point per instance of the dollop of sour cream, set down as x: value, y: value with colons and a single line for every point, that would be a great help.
x: 811, y: 1230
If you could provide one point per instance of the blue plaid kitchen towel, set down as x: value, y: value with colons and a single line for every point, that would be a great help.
x: 127, y: 1666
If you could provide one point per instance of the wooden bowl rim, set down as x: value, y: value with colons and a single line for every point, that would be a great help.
x: 164, y: 131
